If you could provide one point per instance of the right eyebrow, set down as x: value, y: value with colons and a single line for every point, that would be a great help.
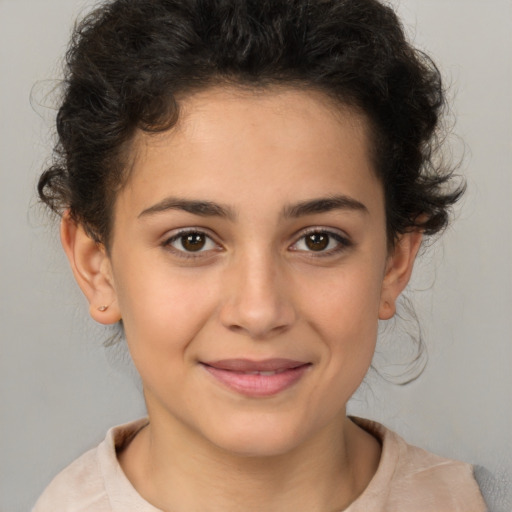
x: 196, y: 207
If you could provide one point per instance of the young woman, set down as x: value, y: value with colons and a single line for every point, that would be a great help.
x: 244, y: 186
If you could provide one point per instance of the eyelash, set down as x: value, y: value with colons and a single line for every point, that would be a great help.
x: 343, y: 243
x: 181, y: 235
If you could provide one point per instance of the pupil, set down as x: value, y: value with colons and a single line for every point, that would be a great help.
x: 193, y: 241
x: 317, y: 241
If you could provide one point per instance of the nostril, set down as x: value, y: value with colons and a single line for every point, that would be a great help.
x: 259, y: 329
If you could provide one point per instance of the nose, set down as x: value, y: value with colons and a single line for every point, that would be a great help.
x: 257, y: 301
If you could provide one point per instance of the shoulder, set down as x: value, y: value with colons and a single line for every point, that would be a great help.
x: 91, y: 481
x: 410, y: 478
x: 78, y: 487
x: 435, y: 480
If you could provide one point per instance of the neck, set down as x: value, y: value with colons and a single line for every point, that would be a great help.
x: 176, y: 470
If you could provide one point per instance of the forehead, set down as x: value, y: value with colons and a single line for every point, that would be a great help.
x: 288, y: 117
x: 281, y: 142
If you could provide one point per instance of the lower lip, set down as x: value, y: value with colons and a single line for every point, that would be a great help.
x: 256, y: 385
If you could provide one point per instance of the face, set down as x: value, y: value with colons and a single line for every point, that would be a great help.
x: 249, y: 264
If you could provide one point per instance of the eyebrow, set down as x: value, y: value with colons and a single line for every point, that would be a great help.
x: 196, y: 207
x: 301, y: 209
x: 323, y: 205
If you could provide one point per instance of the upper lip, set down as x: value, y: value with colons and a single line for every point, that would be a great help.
x: 249, y: 365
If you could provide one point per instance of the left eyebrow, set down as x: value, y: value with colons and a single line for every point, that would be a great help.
x: 196, y: 207
x: 323, y: 205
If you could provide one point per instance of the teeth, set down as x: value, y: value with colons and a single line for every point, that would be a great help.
x: 264, y: 373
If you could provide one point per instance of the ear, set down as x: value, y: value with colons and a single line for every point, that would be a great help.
x: 398, y: 271
x: 92, y: 270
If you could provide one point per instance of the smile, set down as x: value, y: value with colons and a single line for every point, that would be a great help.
x: 257, y: 378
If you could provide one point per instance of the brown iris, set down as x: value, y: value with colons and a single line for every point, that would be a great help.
x: 317, y: 241
x: 193, y: 241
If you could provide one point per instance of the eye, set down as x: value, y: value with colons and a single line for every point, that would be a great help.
x: 322, y: 242
x: 191, y: 242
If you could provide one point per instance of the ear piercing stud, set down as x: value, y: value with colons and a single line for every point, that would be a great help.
x: 102, y: 308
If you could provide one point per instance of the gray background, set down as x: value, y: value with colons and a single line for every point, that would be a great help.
x: 60, y: 390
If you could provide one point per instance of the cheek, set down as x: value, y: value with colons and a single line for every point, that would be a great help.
x: 161, y: 310
x: 344, y: 312
x: 346, y: 300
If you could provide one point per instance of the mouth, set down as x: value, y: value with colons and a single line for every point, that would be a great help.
x: 257, y: 378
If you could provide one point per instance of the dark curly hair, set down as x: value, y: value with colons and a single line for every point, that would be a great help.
x: 130, y: 60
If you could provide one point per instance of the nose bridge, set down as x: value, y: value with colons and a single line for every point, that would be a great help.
x: 256, y: 301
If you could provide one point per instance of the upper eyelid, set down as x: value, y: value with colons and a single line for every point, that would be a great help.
x: 176, y: 233
x: 321, y: 229
x: 341, y: 237
x: 168, y: 240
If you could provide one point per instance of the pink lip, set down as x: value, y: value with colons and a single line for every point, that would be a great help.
x: 241, y: 375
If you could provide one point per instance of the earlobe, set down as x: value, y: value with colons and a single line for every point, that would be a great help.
x: 398, y: 271
x: 92, y: 270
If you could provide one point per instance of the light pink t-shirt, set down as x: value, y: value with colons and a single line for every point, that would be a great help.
x: 408, y: 479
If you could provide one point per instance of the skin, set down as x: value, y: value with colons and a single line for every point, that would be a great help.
x: 256, y: 290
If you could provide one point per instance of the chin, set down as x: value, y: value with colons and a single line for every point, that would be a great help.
x: 257, y: 446
x: 256, y: 438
